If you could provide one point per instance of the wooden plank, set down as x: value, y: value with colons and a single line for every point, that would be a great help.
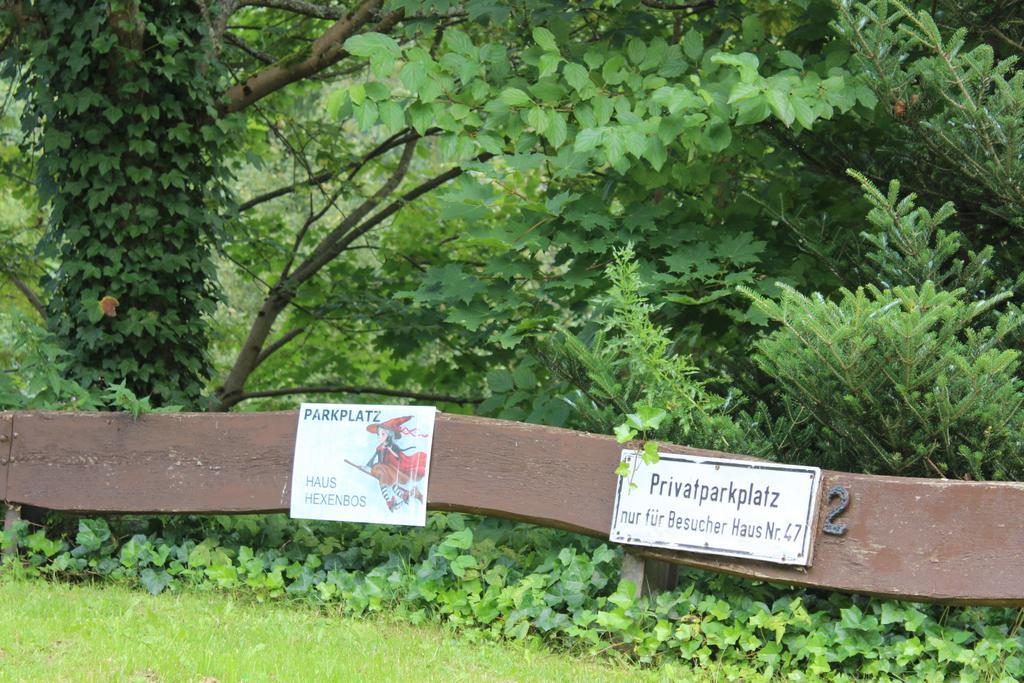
x: 6, y: 446
x: 12, y: 513
x: 947, y: 541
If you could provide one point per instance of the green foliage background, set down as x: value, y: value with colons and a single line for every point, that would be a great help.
x: 627, y: 216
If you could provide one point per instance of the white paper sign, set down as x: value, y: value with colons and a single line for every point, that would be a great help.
x: 739, y: 508
x: 356, y: 463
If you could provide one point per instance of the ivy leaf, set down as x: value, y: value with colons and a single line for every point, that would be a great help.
x: 154, y: 581
x: 92, y: 533
x: 624, y: 433
x: 461, y: 564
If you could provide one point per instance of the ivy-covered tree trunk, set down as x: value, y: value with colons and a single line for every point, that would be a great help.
x: 123, y: 96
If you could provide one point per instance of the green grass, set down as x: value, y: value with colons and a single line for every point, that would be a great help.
x: 60, y: 632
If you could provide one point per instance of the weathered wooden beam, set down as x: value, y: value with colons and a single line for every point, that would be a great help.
x: 6, y: 446
x: 921, y: 539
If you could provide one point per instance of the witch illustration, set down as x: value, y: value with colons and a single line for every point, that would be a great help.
x: 398, y: 473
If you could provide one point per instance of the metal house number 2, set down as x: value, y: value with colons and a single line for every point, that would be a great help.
x: 831, y: 527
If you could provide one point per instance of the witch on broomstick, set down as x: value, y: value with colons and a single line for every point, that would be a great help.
x: 397, y: 473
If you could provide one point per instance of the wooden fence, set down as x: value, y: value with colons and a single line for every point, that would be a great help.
x: 922, y: 539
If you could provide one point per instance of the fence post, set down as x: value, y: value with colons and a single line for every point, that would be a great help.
x: 650, y: 576
x: 12, y: 514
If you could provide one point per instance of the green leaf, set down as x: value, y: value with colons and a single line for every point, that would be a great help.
x: 744, y: 91
x: 614, y: 145
x: 693, y: 44
x: 421, y: 115
x: 803, y: 112
x: 557, y: 130
x: 655, y: 153
x: 113, y: 114
x: 537, y: 118
x: 577, y: 76
x: 613, y: 71
x: 753, y: 30
x: 500, y: 380
x: 745, y: 62
x: 368, y: 44
x: 548, y: 63
x: 545, y: 38
x: 791, y: 59
x: 392, y: 116
x: 524, y: 378
x: 514, y: 97
x: 636, y: 50
x: 334, y: 102
x: 92, y: 533
x: 366, y: 115
x: 357, y: 93
x: 650, y: 453
x: 675, y: 99
x: 588, y: 139
x: 624, y: 433
x: 413, y: 76
x: 461, y: 564
x: 154, y: 581
x: 458, y: 41
x: 781, y: 106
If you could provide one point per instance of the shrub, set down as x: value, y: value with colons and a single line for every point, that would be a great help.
x: 911, y: 376
x: 624, y: 366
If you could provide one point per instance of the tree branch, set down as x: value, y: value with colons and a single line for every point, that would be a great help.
x: 675, y: 7
x: 342, y: 389
x: 325, y: 51
x: 399, y: 138
x: 281, y: 191
x: 409, y: 196
x: 27, y: 292
x: 247, y: 49
x: 307, y: 9
x: 334, y: 243
x: 277, y: 344
x: 282, y: 293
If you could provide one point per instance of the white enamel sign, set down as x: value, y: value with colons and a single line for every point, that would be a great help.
x: 756, y: 510
x: 357, y: 463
